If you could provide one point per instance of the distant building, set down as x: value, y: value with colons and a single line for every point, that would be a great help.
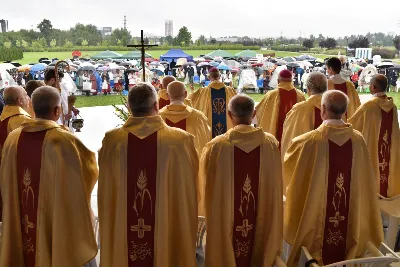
x: 4, y: 25
x: 227, y: 39
x: 169, y: 28
x: 105, y: 31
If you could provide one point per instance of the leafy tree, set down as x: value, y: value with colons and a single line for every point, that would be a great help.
x: 308, y: 43
x: 46, y: 28
x: 396, y: 42
x: 18, y: 43
x: 85, y: 42
x: 169, y: 40
x: 85, y: 32
x: 24, y: 43
x: 202, y: 40
x: 68, y: 44
x: 53, y: 43
x: 213, y: 41
x: 184, y: 36
x: 359, y: 42
x: 330, y: 43
x: 37, y: 45
x: 43, y: 42
x: 119, y: 42
x: 121, y: 34
x: 7, y: 44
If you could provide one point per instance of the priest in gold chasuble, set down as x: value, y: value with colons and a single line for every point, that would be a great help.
x: 272, y: 110
x: 47, y: 177
x: 181, y: 116
x: 331, y: 207
x: 304, y: 116
x: 147, y: 190
x: 213, y: 100
x: 242, y: 193
x: 336, y: 82
x: 378, y: 121
x: 163, y: 98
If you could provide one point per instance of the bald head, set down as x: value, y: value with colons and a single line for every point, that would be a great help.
x: 241, y: 109
x: 16, y: 96
x: 317, y: 83
x: 379, y: 83
x: 176, y: 91
x: 167, y: 80
x: 334, y: 105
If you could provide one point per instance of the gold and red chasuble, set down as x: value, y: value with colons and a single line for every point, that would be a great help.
x: 29, y: 160
x: 337, y: 202
x: 246, y: 182
x: 287, y: 100
x: 317, y: 118
x: 141, y: 199
x: 180, y: 124
x: 384, y: 145
x: 163, y: 102
x: 3, y: 137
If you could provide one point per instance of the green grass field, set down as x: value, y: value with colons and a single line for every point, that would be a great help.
x: 33, y: 57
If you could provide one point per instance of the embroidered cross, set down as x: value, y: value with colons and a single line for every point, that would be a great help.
x: 140, y: 228
x: 27, y: 223
x: 336, y: 219
x: 245, y: 228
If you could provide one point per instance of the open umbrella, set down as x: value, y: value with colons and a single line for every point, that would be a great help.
x: 203, y: 64
x: 257, y: 65
x: 155, y: 64
x: 38, y: 67
x: 24, y: 68
x: 103, y: 68
x: 293, y: 65
x: 189, y: 64
x: 88, y: 68
x: 7, y: 66
x: 214, y: 64
x: 384, y: 65
x: 133, y: 69
x: 76, y: 53
x: 289, y: 59
x: 224, y: 67
x: 306, y: 63
x: 306, y: 57
x: 159, y: 72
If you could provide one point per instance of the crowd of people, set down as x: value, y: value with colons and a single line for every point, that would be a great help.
x: 181, y: 156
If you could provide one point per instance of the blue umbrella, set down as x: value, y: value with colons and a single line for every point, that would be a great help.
x: 159, y: 72
x: 224, y: 67
x: 214, y: 64
x: 38, y: 67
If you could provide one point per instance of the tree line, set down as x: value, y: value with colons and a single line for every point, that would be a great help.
x: 88, y: 35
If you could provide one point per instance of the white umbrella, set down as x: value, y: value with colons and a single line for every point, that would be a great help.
x: 305, y: 63
x: 6, y: 79
x: 7, y: 66
x: 198, y: 59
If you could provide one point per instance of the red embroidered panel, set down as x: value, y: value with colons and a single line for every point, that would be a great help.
x: 162, y: 103
x: 246, y: 180
x: 337, y: 202
x: 317, y: 118
x: 141, y: 199
x: 384, y: 145
x: 180, y: 124
x: 343, y: 88
x: 29, y: 161
x: 287, y: 100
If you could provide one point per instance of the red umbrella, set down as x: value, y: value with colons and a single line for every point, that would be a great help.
x: 76, y: 53
x: 234, y: 70
x: 257, y: 65
x: 149, y: 59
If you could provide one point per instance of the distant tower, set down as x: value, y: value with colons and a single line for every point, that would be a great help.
x: 125, y: 22
x: 4, y: 25
x: 169, y: 28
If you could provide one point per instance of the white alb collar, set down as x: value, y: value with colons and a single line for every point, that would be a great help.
x: 177, y: 102
x: 333, y: 122
x: 379, y: 94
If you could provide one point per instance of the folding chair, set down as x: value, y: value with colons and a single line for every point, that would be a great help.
x: 390, y: 208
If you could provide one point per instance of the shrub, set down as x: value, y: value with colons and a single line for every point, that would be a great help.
x: 384, y: 52
x: 9, y: 54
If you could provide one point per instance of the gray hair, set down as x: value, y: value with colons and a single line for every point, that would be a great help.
x: 44, y: 100
x: 242, y: 107
x: 141, y: 99
x: 335, y: 103
x: 317, y: 83
x: 11, y: 94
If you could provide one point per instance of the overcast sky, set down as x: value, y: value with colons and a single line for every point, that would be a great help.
x: 254, y: 18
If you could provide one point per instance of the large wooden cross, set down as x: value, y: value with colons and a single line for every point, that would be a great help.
x: 142, y: 47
